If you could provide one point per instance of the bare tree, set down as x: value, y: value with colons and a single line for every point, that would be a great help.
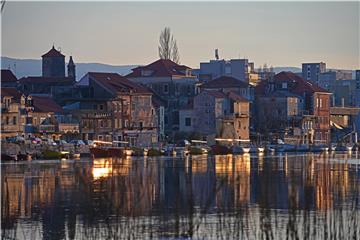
x: 2, y: 5
x: 168, y: 47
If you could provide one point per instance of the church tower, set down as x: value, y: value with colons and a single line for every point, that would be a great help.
x: 53, y: 64
x: 71, y: 69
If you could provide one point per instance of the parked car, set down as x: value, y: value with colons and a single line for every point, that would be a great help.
x: 89, y: 142
x: 77, y: 142
x: 35, y: 140
x: 61, y: 142
x: 16, y: 139
x: 49, y: 141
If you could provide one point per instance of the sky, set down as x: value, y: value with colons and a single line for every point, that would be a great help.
x: 126, y: 33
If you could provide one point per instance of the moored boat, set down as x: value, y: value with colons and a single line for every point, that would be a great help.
x: 260, y: 149
x: 101, y: 152
x: 220, y: 150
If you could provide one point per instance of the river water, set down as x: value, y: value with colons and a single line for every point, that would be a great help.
x: 287, y: 196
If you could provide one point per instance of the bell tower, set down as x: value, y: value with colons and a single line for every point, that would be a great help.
x: 71, y: 69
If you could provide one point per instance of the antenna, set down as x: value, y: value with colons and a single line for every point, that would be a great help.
x: 216, y: 54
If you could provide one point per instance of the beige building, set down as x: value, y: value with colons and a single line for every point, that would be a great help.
x: 10, y: 112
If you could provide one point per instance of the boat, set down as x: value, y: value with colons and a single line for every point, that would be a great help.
x: 146, y: 151
x: 333, y: 147
x: 220, y: 150
x: 127, y: 152
x: 349, y: 148
x: 103, y: 152
x: 7, y: 157
x: 199, y: 147
x: 260, y: 149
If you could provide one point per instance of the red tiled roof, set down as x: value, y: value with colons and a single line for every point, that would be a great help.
x: 237, y: 98
x: 296, y: 84
x: 7, y: 76
x: 225, y: 82
x: 45, y: 104
x: 53, y: 53
x: 160, y: 68
x: 46, y: 79
x: 10, y: 92
x: 118, y: 83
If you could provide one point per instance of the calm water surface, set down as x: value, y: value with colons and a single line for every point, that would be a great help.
x: 288, y: 196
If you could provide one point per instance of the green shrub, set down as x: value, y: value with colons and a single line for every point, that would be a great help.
x: 48, y: 154
x: 154, y: 152
x: 195, y: 151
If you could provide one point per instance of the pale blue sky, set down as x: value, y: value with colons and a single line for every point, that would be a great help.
x: 278, y: 33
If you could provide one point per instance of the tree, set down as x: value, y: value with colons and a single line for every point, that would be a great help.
x: 2, y: 5
x: 168, y: 47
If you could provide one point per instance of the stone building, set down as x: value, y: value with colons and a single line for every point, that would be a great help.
x: 53, y: 81
x: 283, y: 93
x: 173, y: 83
x: 53, y: 64
x: 11, y: 112
x: 110, y: 107
x: 216, y: 113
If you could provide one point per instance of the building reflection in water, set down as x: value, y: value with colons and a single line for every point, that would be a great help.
x: 174, y: 197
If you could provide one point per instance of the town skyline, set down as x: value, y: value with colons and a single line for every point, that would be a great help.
x: 24, y: 39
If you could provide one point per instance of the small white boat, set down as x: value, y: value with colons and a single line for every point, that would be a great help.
x: 128, y: 152
x: 245, y: 149
x: 333, y: 147
x: 146, y: 151
x: 349, y: 148
x: 260, y: 149
x: 173, y: 152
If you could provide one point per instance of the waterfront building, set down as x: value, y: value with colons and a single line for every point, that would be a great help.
x: 305, y: 102
x: 29, y: 115
x: 311, y: 71
x: 41, y: 116
x: 10, y: 112
x: 172, y: 82
x: 111, y: 107
x: 216, y: 113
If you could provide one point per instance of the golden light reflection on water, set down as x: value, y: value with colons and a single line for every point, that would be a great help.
x: 102, y: 168
x: 140, y: 187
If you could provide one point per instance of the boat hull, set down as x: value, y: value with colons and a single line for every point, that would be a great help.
x: 106, y: 152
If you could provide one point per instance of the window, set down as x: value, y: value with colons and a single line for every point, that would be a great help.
x: 166, y: 88
x: 14, y: 120
x: 100, y: 137
x: 188, y: 122
x: 152, y: 111
x: 101, y: 107
x: 7, y: 120
x: 141, y: 124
